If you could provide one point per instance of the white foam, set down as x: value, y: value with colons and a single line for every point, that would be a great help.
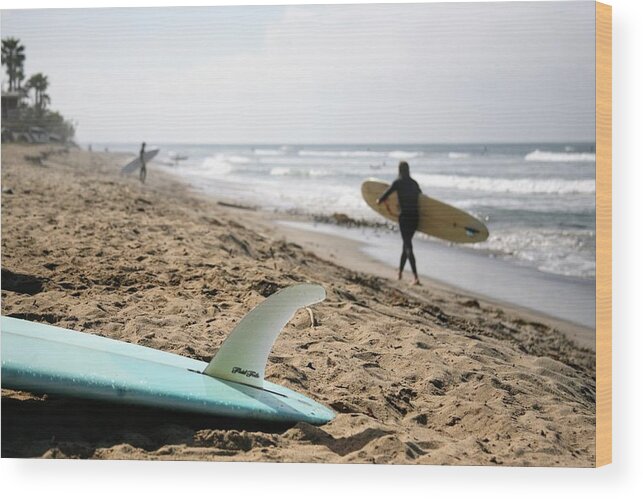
x: 459, y: 155
x: 280, y: 170
x: 239, y: 159
x: 491, y: 200
x: 560, y: 157
x: 404, y: 154
x: 341, y: 154
x: 269, y: 152
x: 563, y: 252
x: 515, y: 185
x: 319, y: 172
x: 299, y: 172
x: 216, y: 165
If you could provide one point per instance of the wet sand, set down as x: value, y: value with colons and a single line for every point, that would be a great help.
x: 333, y: 242
x: 417, y: 375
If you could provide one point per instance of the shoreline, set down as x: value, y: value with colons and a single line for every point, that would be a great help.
x: 330, y: 244
x: 327, y: 246
x: 486, y: 274
x: 416, y: 376
x: 532, y: 224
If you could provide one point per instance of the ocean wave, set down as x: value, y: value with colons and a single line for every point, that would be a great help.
x: 404, y: 154
x: 560, y: 157
x: 563, y: 252
x: 239, y: 159
x: 300, y: 172
x: 341, y: 154
x: 217, y: 164
x: 459, y: 155
x: 492, y: 202
x: 269, y: 152
x: 517, y: 185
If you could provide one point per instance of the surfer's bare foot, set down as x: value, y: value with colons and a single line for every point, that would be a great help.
x: 416, y: 281
x: 399, y: 275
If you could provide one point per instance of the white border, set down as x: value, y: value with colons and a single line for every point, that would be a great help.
x: 52, y: 479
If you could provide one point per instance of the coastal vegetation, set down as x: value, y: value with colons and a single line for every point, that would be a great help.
x: 26, y: 115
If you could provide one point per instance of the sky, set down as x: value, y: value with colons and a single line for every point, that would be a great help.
x: 387, y: 73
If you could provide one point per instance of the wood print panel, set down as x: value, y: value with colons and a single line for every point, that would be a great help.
x: 603, y: 234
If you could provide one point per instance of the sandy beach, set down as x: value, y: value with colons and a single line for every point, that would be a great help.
x: 417, y: 375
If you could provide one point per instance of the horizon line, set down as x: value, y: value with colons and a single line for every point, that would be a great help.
x: 368, y: 144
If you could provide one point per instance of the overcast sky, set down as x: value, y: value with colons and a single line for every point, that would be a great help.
x: 416, y: 73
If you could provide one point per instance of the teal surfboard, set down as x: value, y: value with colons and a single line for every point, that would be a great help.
x: 42, y: 358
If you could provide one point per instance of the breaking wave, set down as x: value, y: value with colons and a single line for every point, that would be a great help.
x: 341, y: 154
x: 560, y: 157
x: 514, y: 185
x: 269, y: 152
x: 404, y: 154
x: 299, y: 172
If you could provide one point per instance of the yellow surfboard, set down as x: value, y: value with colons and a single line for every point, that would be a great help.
x: 437, y: 219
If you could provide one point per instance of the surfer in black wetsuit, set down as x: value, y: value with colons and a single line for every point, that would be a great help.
x: 408, y: 192
x: 143, y: 172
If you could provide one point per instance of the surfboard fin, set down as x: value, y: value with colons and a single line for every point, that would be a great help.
x: 244, y: 354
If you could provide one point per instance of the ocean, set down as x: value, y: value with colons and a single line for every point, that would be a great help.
x: 538, y: 201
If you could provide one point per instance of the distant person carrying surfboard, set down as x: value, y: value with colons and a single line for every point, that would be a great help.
x: 408, y: 192
x: 143, y: 172
x: 140, y: 162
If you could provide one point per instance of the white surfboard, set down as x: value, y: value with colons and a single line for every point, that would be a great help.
x: 135, y: 164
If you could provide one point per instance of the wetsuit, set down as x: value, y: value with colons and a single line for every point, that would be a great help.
x: 408, y: 191
x: 143, y: 172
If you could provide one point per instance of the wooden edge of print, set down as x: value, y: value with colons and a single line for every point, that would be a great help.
x: 603, y: 234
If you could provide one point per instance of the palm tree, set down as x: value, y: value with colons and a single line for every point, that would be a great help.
x: 13, y: 57
x: 39, y: 84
